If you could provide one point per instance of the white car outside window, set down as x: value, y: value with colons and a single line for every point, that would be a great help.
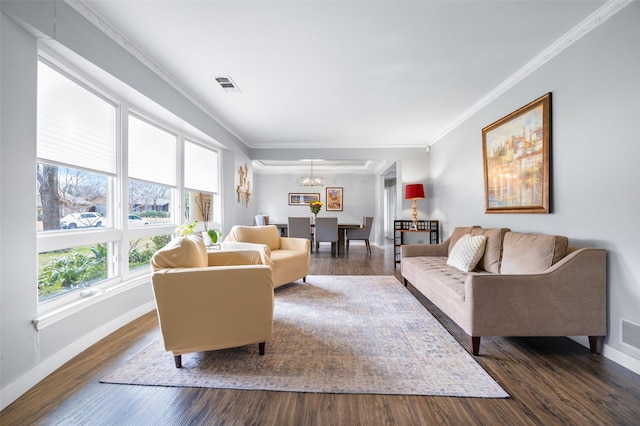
x: 135, y: 220
x: 81, y: 220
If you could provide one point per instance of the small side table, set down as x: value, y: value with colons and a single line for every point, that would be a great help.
x: 400, y: 227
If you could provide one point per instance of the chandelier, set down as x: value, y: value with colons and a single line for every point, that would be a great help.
x: 311, y: 180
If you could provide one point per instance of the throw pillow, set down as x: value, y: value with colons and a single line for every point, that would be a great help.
x: 490, y: 261
x: 458, y: 232
x: 467, y: 252
x: 531, y: 253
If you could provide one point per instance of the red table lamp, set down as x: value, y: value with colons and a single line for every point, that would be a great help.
x: 414, y: 192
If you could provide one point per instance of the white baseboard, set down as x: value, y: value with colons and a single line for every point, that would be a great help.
x: 613, y: 354
x: 13, y: 391
x: 621, y: 358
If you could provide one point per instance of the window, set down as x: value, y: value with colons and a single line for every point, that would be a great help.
x: 76, y: 149
x: 100, y: 219
x: 152, y: 169
x: 69, y: 199
x: 152, y: 172
x: 62, y: 271
x: 202, y: 201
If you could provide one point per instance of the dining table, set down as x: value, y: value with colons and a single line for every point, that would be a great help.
x: 342, y: 232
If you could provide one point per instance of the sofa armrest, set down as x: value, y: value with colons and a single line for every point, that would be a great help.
x: 263, y: 249
x: 413, y: 250
x: 297, y: 244
x: 568, y: 299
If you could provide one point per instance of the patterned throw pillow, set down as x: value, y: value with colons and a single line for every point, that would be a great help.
x: 467, y: 252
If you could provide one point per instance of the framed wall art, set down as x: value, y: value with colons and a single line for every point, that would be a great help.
x: 334, y: 199
x: 515, y: 151
x: 303, y: 199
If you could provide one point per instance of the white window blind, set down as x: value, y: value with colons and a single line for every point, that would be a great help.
x: 152, y: 153
x: 200, y: 168
x: 75, y: 126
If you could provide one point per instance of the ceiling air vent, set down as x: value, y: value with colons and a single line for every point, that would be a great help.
x: 227, y: 84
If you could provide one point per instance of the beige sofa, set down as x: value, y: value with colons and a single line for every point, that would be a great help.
x: 523, y: 285
x: 208, y: 301
x: 289, y: 258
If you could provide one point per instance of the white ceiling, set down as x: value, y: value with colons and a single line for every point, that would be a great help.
x: 341, y: 73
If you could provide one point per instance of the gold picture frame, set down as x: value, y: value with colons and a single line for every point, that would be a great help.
x: 515, y: 151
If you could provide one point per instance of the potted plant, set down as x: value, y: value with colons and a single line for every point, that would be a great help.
x: 213, y: 235
x: 209, y: 236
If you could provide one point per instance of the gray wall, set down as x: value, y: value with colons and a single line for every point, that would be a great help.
x: 595, y: 151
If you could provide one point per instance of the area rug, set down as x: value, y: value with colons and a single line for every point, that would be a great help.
x: 332, y: 334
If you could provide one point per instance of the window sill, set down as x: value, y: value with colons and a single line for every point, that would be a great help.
x: 89, y: 297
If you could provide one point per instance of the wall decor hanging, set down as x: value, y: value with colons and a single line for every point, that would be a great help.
x: 244, y: 187
x: 334, y: 199
x: 515, y: 151
x: 303, y: 198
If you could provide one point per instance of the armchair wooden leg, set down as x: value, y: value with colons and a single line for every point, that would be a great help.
x: 261, y: 346
x: 474, y: 344
x: 178, y: 360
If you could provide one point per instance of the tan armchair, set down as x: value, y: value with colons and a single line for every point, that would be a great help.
x: 208, y: 301
x: 289, y: 258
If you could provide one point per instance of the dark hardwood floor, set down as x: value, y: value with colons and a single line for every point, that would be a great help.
x: 552, y: 381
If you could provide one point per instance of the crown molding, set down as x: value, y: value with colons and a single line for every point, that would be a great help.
x: 576, y: 33
x: 105, y: 26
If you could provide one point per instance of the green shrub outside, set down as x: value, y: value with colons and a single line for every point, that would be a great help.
x: 80, y: 269
x: 153, y: 213
x: 139, y: 256
x: 73, y: 271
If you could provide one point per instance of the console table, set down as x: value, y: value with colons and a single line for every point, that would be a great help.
x: 400, y: 227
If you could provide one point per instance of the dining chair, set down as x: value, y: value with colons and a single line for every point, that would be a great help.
x: 361, y: 233
x: 327, y: 232
x: 300, y: 227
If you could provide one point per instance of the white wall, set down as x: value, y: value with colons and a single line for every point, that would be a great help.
x: 358, y: 197
x: 595, y: 150
x: 411, y: 165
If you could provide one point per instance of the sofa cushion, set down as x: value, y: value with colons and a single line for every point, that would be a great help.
x: 458, y: 232
x: 492, y: 257
x: 181, y: 252
x: 530, y: 253
x: 267, y: 235
x: 467, y: 252
x: 443, y: 279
